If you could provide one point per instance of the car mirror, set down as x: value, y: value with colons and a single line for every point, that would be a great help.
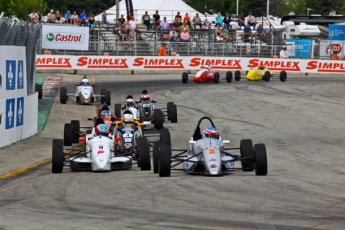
x: 89, y: 119
x: 226, y: 141
x: 153, y: 101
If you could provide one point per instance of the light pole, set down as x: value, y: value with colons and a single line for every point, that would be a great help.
x: 117, y: 10
x: 268, y: 8
x: 308, y: 9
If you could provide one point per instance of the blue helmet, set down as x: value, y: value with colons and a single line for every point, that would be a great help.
x: 210, y: 132
x: 102, y: 130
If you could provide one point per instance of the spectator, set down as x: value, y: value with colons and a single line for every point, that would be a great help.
x: 163, y: 50
x: 196, y: 21
x: 74, y: 18
x: 118, y: 27
x: 132, y: 36
x: 146, y: 20
x: 184, y: 37
x: 33, y: 17
x: 206, y: 21
x: 68, y: 16
x: 40, y: 20
x: 178, y: 17
x: 156, y: 20
x: 226, y: 21
x: 104, y: 18
x: 241, y: 20
x: 218, y: 34
x: 187, y: 19
x: 219, y: 20
x: 51, y: 17
x: 251, y: 20
x: 83, y: 18
x: 173, y: 35
x: 133, y: 25
x: 247, y: 31
x: 184, y: 26
x: 164, y: 25
x: 125, y: 31
x: 58, y: 17
x: 91, y: 22
x: 283, y: 53
x: 176, y: 24
x: 260, y: 32
x: 122, y: 19
x: 226, y: 35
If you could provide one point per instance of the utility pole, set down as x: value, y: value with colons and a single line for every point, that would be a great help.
x: 117, y: 10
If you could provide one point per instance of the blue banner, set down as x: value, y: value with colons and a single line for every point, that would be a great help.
x: 336, y: 32
x: 301, y: 48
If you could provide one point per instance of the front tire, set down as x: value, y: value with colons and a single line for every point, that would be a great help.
x: 237, y: 75
x: 158, y: 119
x: 144, y: 154
x: 164, y: 136
x: 68, y: 135
x: 246, y: 150
x: 267, y: 76
x: 155, y: 155
x: 260, y: 155
x: 173, y: 114
x: 283, y: 76
x: 216, y: 77
x: 229, y: 76
x: 184, y: 77
x: 75, y: 130
x: 63, y: 95
x: 164, y: 162
x: 57, y: 156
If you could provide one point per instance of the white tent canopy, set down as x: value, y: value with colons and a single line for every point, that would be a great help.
x: 166, y: 8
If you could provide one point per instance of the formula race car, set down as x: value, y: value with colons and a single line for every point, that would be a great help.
x: 205, y: 75
x: 262, y: 73
x: 104, y: 151
x: 207, y: 156
x: 84, y: 94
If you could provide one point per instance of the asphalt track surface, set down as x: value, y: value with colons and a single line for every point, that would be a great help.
x: 301, y: 122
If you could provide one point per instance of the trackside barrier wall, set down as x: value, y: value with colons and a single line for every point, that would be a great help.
x: 18, y: 112
x: 64, y: 62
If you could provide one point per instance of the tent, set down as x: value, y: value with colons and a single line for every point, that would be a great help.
x: 166, y: 8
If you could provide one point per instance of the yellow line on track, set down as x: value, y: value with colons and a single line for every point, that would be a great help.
x: 22, y: 170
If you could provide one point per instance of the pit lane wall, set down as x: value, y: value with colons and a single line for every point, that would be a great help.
x: 18, y: 112
x: 119, y: 64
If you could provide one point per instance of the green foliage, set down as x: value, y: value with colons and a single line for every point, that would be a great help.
x: 324, y: 7
x: 296, y: 6
x: 21, y: 8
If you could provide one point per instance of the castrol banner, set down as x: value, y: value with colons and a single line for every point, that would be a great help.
x: 187, y: 63
x: 65, y: 37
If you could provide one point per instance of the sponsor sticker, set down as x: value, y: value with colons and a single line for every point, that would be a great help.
x: 20, y: 111
x: 10, y: 105
x: 10, y: 74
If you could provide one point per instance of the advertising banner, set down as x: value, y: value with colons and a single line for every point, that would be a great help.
x: 65, y: 37
x: 299, y: 48
x: 336, y: 32
x: 186, y: 63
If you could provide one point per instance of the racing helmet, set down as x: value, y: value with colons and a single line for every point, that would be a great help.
x: 206, y: 67
x: 102, y: 130
x: 84, y: 81
x: 145, y: 97
x: 130, y: 102
x: 128, y: 118
x: 129, y: 96
x: 210, y: 132
x: 106, y: 115
x: 104, y: 107
x: 144, y: 91
x: 261, y: 67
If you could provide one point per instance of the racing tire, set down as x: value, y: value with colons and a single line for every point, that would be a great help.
x: 260, y: 156
x: 164, y: 136
x: 216, y: 77
x: 169, y: 104
x: 118, y: 111
x: 173, y: 115
x: 68, y: 135
x: 158, y: 119
x: 63, y: 95
x: 75, y: 130
x: 283, y: 76
x: 247, y: 72
x: 237, y: 75
x: 267, y: 76
x: 155, y: 155
x: 184, y: 77
x: 57, y: 156
x: 107, y: 97
x: 39, y: 89
x: 144, y: 154
x: 229, y: 76
x: 247, y: 150
x: 164, y: 161
x: 103, y: 91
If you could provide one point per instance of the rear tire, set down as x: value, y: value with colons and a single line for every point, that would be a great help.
x: 57, y: 156
x: 184, y: 77
x: 155, y: 155
x: 118, y: 111
x: 169, y: 104
x: 103, y: 91
x: 39, y: 89
x: 283, y: 76
x: 173, y: 115
x: 164, y: 136
x: 107, y: 98
x: 158, y: 119
x: 216, y: 77
x: 229, y: 76
x: 67, y: 135
x: 144, y: 154
x: 260, y: 155
x: 267, y: 76
x: 63, y: 95
x: 164, y: 162
x: 246, y: 149
x: 75, y: 130
x: 237, y: 75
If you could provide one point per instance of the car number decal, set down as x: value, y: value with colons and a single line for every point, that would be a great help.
x: 128, y: 140
x: 211, y: 151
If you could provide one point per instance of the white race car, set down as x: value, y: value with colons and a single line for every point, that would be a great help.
x: 207, y: 155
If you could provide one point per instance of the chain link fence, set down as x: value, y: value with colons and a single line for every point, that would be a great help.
x: 19, y: 33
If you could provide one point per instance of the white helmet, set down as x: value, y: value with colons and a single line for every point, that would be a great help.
x: 206, y: 67
x: 85, y: 81
x: 130, y: 102
x: 128, y: 118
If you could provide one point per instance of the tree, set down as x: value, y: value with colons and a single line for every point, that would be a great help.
x: 22, y: 8
x: 296, y: 6
x: 324, y: 7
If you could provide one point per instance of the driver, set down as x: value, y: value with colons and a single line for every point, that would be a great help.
x: 84, y: 82
x: 210, y: 132
x: 127, y: 120
x: 209, y: 68
x: 102, y: 130
x: 261, y: 67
